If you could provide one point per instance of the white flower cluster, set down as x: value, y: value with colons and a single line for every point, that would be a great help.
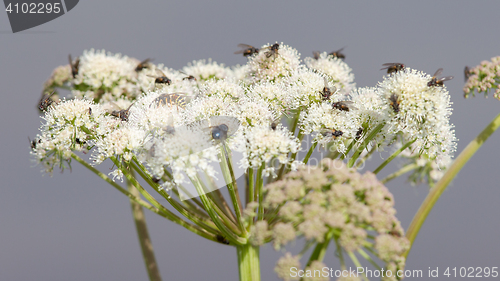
x: 336, y: 69
x: 330, y: 124
x: 204, y: 70
x: 419, y: 112
x: 263, y: 144
x: 104, y: 75
x: 65, y: 130
x: 273, y: 65
x: 150, y: 111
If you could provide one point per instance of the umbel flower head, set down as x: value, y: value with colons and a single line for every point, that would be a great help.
x: 336, y: 69
x: 106, y: 75
x: 333, y: 200
x: 206, y: 125
x: 419, y: 112
x: 483, y: 78
x: 71, y: 125
x: 273, y: 63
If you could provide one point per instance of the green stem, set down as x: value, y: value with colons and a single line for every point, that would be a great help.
x: 360, y: 149
x: 299, y: 136
x: 306, y: 159
x: 394, y: 155
x: 320, y: 250
x: 232, y: 186
x: 251, y: 185
x: 356, y: 262
x: 179, y: 186
x: 118, y: 187
x: 368, y: 258
x: 200, y: 229
x: 248, y: 262
x: 341, y: 255
x: 202, y: 222
x: 437, y: 190
x: 295, y: 122
x: 353, y: 142
x: 360, y: 162
x: 349, y: 148
x: 259, y: 186
x: 162, y: 212
x: 227, y: 233
x: 144, y: 239
x: 400, y: 172
x: 227, y: 221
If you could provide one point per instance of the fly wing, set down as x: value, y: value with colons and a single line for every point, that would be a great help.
x: 326, y: 82
x: 350, y: 104
x: 232, y: 123
x: 243, y: 47
x: 438, y: 73
x: 339, y: 50
x: 387, y: 65
x: 146, y: 61
x: 160, y: 72
x: 447, y: 78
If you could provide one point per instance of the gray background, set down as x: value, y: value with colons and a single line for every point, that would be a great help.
x: 72, y: 226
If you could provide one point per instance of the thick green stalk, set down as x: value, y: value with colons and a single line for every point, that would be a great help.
x: 394, y: 155
x: 148, y: 253
x: 437, y: 190
x: 248, y: 262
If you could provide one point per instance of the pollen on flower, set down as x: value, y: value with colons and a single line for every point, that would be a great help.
x: 337, y: 70
x: 273, y: 66
x: 329, y: 124
x: 261, y: 144
x: 117, y: 174
x: 423, y: 113
x: 205, y: 70
x: 100, y: 72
